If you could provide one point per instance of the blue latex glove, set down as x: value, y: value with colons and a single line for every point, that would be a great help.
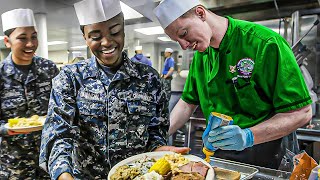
x: 205, y: 135
x: 231, y: 137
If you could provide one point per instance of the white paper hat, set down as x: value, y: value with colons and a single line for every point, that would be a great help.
x: 138, y: 48
x: 17, y: 18
x: 168, y: 50
x: 95, y: 11
x: 169, y: 10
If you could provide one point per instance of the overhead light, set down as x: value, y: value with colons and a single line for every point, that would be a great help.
x: 1, y: 37
x: 128, y: 12
x: 79, y: 47
x: 151, y: 30
x: 56, y: 43
x: 76, y: 52
x: 164, y: 39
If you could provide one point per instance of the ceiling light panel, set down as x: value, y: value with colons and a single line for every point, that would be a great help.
x: 151, y: 30
x: 79, y: 47
x: 166, y: 39
x: 56, y: 43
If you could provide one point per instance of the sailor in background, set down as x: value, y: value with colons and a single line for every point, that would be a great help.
x: 25, y: 85
x: 167, y: 71
x: 139, y: 57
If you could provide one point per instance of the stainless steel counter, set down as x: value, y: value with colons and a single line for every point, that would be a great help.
x: 262, y: 174
x: 270, y: 174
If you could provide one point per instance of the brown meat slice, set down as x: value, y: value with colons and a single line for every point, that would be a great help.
x: 200, y: 168
x: 187, y: 167
x: 197, y: 167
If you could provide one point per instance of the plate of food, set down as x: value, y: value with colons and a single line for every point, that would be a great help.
x: 162, y: 165
x: 22, y: 124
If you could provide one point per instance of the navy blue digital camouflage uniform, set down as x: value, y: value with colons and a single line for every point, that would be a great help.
x: 94, y: 122
x: 23, y: 98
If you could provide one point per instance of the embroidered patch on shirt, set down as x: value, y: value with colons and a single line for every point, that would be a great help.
x: 245, y: 67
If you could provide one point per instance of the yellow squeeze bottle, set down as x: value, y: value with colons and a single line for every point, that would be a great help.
x: 215, y: 120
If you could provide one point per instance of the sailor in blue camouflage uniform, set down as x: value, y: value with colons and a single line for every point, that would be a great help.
x: 25, y: 85
x: 103, y: 109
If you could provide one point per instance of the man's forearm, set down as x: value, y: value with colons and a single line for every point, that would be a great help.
x: 170, y: 72
x: 180, y: 115
x: 281, y: 125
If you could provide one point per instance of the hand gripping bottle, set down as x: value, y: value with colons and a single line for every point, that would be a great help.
x: 215, y: 120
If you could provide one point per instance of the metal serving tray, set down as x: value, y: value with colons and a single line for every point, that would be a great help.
x: 271, y: 174
x: 247, y: 172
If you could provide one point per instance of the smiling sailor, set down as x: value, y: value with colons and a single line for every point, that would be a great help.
x: 103, y: 109
x: 242, y: 70
x: 25, y: 85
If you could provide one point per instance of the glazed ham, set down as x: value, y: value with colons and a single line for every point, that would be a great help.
x: 198, y: 167
x: 187, y: 167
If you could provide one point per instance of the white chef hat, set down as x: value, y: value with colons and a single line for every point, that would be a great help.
x: 168, y: 50
x: 95, y: 11
x: 138, y: 48
x: 17, y: 18
x: 170, y: 10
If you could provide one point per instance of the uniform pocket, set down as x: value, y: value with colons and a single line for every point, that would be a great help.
x: 11, y: 98
x: 90, y: 103
x: 251, y: 100
x: 140, y: 115
x: 91, y: 107
x: 141, y: 107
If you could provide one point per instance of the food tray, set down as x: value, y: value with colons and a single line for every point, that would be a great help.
x: 271, y: 174
x: 158, y: 155
x: 246, y: 171
x: 27, y: 128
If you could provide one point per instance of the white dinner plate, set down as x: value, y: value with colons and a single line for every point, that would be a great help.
x: 28, y: 128
x: 158, y: 155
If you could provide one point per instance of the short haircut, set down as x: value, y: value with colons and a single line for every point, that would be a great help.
x: 9, y: 31
x: 82, y: 28
x: 191, y: 11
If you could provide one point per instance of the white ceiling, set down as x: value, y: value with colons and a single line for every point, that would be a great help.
x: 62, y: 23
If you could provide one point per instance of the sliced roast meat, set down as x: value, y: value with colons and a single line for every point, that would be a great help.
x: 197, y: 167
x: 200, y: 168
x: 187, y: 167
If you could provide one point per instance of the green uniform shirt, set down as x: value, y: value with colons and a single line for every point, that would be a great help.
x: 252, y: 76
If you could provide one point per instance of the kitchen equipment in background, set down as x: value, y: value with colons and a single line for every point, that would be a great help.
x: 301, y: 53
